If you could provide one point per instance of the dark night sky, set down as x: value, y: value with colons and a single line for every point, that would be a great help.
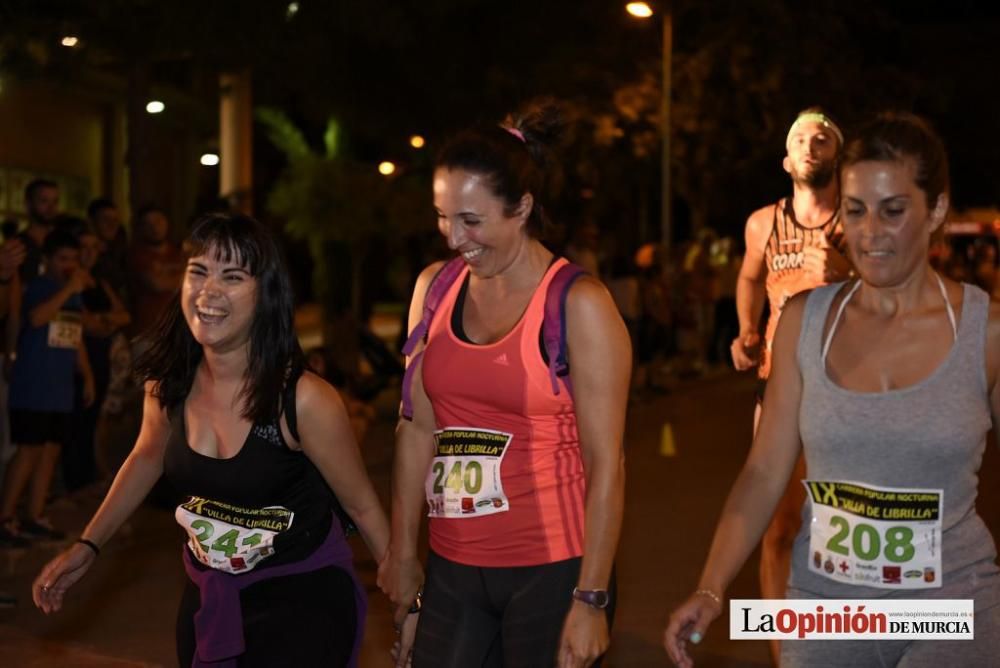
x: 387, y: 69
x: 436, y: 65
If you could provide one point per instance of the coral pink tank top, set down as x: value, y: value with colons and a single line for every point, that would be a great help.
x: 507, y: 486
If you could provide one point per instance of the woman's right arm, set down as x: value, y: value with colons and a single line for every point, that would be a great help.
x: 754, y: 495
x: 400, y: 574
x: 136, y: 478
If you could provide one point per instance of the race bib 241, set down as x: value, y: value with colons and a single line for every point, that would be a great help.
x: 231, y: 538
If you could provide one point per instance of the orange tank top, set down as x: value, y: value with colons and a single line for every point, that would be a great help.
x: 783, y: 256
x: 506, y: 486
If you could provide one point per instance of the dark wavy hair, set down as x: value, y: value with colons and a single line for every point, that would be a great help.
x: 275, y: 356
x: 511, y: 165
x: 895, y: 136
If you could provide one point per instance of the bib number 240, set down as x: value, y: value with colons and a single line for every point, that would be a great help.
x: 469, y: 480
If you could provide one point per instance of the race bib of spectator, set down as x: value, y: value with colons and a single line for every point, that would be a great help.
x: 464, y: 480
x: 231, y: 538
x: 66, y: 330
x: 883, y: 537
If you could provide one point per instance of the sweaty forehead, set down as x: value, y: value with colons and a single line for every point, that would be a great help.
x: 880, y: 178
x: 458, y: 182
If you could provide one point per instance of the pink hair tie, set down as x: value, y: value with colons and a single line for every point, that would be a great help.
x: 514, y: 131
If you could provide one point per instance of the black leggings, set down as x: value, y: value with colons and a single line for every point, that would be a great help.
x: 295, y: 620
x: 493, y: 617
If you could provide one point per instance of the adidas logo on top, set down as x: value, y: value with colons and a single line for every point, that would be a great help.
x: 501, y: 359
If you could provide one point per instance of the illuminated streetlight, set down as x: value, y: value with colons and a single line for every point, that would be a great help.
x: 386, y: 168
x: 70, y: 41
x: 155, y: 106
x: 292, y: 10
x: 416, y: 141
x: 210, y: 159
x: 640, y: 10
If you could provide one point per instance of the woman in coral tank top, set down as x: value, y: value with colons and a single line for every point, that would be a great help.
x: 524, y: 486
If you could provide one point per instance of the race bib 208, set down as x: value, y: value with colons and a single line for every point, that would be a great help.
x: 884, y: 537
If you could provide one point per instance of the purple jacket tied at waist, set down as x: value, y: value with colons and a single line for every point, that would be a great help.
x: 218, y: 624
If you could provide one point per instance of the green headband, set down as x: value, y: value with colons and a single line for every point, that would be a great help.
x: 815, y: 117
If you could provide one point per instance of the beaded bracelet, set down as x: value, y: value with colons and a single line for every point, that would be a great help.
x: 711, y: 594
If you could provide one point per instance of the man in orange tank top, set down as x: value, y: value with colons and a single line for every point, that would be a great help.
x: 793, y: 245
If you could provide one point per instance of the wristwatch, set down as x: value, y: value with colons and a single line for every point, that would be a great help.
x: 595, y: 598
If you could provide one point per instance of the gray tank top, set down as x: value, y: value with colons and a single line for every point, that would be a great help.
x: 929, y: 435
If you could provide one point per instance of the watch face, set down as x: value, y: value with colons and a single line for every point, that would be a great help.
x: 597, y: 597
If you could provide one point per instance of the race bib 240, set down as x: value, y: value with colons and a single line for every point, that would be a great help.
x: 464, y: 479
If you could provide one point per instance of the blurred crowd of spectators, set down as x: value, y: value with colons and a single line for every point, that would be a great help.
x: 679, y: 306
x: 74, y: 292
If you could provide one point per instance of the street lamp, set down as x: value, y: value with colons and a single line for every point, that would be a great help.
x: 155, y: 107
x: 210, y: 159
x: 642, y: 10
x: 70, y: 41
x: 386, y: 168
x: 416, y: 141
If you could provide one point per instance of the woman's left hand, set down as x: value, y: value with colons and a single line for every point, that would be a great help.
x: 402, y: 649
x: 584, y: 637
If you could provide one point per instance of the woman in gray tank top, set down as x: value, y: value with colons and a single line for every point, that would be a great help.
x: 888, y: 384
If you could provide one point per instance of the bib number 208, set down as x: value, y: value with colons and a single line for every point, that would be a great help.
x: 470, y: 479
x: 867, y: 542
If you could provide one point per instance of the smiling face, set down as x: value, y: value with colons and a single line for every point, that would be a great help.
x: 887, y: 220
x: 219, y: 300
x: 476, y: 222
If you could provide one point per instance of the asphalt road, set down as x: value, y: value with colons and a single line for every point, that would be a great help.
x: 122, y: 614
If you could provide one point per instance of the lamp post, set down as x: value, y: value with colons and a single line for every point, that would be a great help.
x: 642, y: 10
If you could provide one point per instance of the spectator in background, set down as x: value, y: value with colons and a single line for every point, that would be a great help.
x: 49, y: 346
x: 106, y: 222
x: 698, y: 300
x: 156, y: 267
x: 726, y: 325
x: 41, y: 202
x: 104, y: 315
x: 623, y: 284
x: 11, y: 256
x: 657, y: 319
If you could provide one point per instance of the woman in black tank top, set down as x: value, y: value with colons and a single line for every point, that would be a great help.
x: 261, y: 450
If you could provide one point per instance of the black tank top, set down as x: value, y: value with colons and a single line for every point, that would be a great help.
x: 265, y: 473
